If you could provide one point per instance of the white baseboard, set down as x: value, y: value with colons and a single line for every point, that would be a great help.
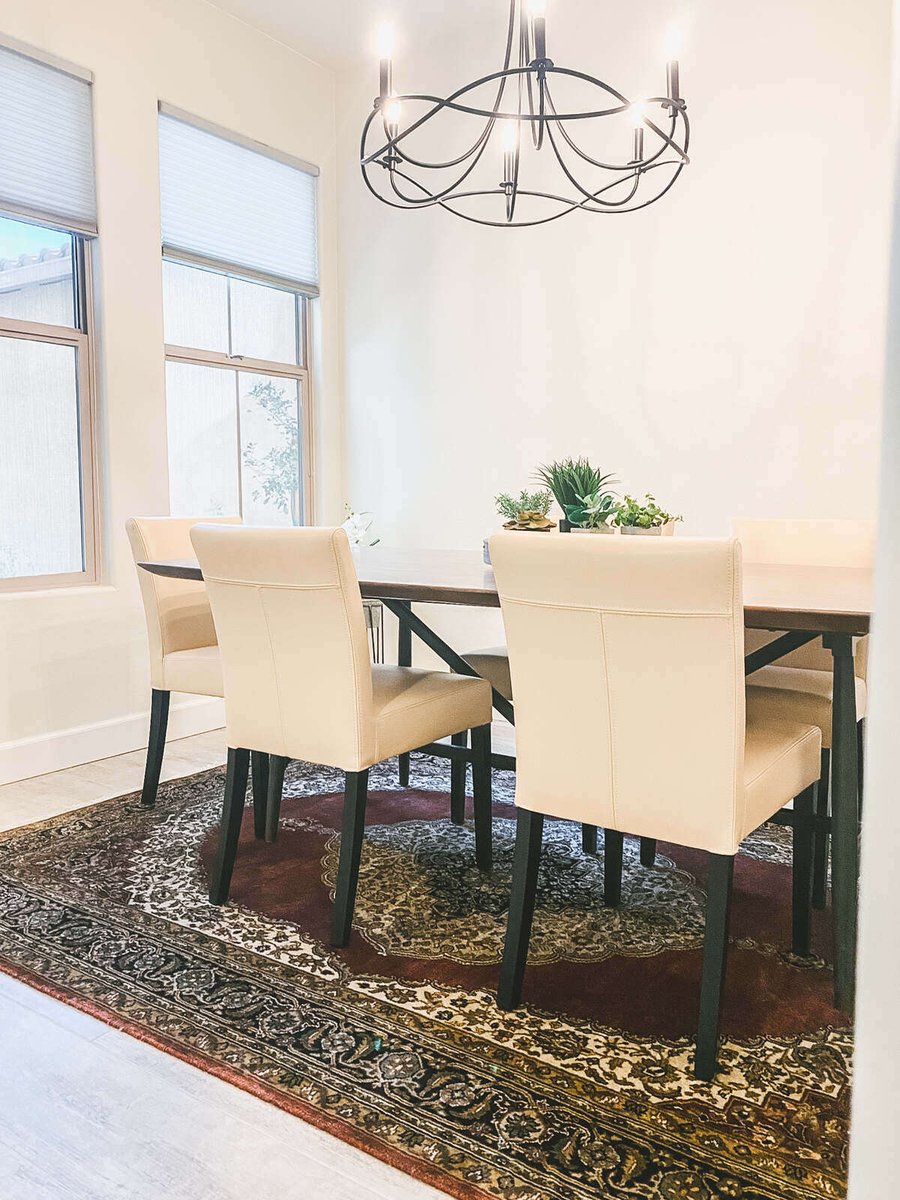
x: 86, y: 743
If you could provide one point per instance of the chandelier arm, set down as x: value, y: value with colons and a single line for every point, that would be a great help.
x: 439, y: 103
x: 433, y: 197
x: 594, y: 196
x: 451, y: 102
x: 486, y: 132
x: 596, y: 162
x: 430, y: 201
x: 569, y: 205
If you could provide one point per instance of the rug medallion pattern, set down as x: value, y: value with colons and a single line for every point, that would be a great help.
x: 396, y: 1042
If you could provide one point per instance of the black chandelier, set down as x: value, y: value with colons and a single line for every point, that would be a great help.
x: 528, y: 114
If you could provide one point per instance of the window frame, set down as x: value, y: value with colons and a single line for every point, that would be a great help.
x: 82, y: 338
x: 224, y: 360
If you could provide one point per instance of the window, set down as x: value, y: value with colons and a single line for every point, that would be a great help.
x: 239, y: 274
x: 47, y: 223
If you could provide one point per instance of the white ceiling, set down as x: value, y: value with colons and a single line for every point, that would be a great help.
x: 338, y: 33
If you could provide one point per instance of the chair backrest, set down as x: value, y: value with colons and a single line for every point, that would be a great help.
x: 292, y: 636
x: 815, y: 543
x: 626, y: 657
x: 177, y: 610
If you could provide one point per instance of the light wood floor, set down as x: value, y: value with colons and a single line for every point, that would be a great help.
x: 88, y: 1113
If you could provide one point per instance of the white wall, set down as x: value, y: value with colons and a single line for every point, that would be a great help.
x: 74, y: 662
x: 875, y: 1145
x: 722, y: 349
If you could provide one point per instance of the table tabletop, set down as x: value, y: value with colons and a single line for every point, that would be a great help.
x: 821, y: 599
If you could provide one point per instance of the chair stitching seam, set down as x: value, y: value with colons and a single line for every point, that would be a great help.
x: 262, y: 604
x: 636, y: 612
x: 418, y: 704
x: 775, y: 761
x: 609, y: 722
x: 289, y: 587
x: 356, y: 680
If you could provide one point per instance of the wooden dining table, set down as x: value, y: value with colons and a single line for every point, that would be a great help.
x: 801, y: 603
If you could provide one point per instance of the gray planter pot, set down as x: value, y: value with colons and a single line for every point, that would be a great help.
x: 601, y: 529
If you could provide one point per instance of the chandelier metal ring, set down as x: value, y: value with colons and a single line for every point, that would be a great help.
x: 400, y: 179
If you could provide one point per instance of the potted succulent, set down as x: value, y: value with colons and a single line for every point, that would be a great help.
x: 527, y: 512
x: 592, y: 513
x: 572, y: 481
x: 633, y: 517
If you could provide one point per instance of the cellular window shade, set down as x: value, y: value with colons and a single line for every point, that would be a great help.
x: 46, y: 144
x: 235, y: 206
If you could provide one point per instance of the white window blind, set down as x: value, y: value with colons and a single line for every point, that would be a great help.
x: 46, y: 143
x: 237, y: 207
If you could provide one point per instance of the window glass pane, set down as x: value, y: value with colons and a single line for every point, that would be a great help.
x: 195, y: 305
x: 40, y: 485
x: 263, y: 322
x: 36, y: 274
x: 203, y: 437
x: 270, y: 450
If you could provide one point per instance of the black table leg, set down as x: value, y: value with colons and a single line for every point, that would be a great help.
x: 844, y: 818
x: 404, y: 659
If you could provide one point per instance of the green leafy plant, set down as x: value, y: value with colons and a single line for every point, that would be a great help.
x: 631, y: 513
x: 572, y: 479
x: 592, y: 511
x: 526, y: 502
x: 278, y: 470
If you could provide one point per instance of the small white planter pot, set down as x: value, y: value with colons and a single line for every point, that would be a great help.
x: 660, y: 530
x: 601, y: 529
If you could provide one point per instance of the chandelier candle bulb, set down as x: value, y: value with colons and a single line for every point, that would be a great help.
x: 538, y: 11
x: 509, y: 144
x: 385, y: 57
x: 637, y: 113
x: 673, y: 85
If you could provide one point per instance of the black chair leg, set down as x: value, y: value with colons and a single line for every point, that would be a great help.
x: 613, y: 845
x: 458, y: 772
x: 589, y: 839
x: 277, y: 768
x: 715, y: 949
x: 259, y: 776
x: 159, y: 720
x: 860, y: 757
x: 802, y: 871
x: 404, y: 659
x: 356, y: 789
x: 482, y: 796
x: 403, y: 770
x: 529, y: 831
x: 820, y: 837
x: 648, y: 852
x: 230, y: 828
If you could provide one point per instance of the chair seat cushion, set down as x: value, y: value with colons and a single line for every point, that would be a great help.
x: 781, y: 760
x: 797, y: 694
x: 492, y: 665
x: 413, y: 707
x: 197, y: 671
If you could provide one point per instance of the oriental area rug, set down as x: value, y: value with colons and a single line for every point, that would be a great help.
x: 395, y: 1044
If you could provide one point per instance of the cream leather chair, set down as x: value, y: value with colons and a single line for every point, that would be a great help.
x: 184, y: 656
x: 492, y: 664
x: 299, y: 684
x: 626, y: 658
x: 799, y: 687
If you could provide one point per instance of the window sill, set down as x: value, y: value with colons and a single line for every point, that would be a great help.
x: 68, y: 590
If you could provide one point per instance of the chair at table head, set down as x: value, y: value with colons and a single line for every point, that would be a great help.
x: 626, y: 657
x: 177, y: 610
x: 293, y: 641
x: 808, y: 543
